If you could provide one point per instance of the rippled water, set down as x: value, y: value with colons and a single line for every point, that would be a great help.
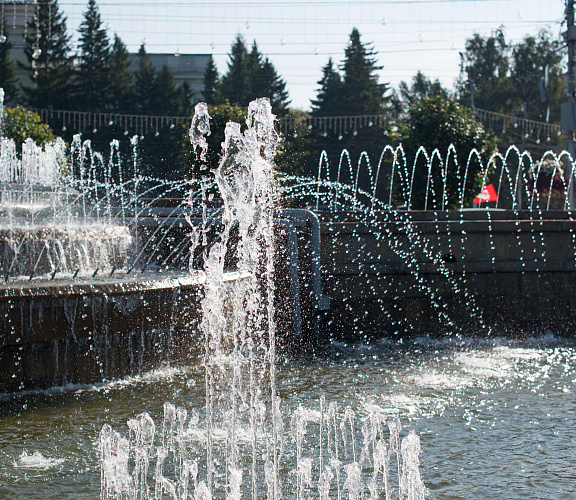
x: 496, y: 419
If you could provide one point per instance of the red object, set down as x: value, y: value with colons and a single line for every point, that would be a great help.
x: 488, y: 194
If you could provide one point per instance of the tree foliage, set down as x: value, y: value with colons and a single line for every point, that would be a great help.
x: 93, y: 74
x: 437, y: 123
x: 329, y: 94
x: 537, y: 77
x: 250, y: 75
x: 21, y: 123
x: 524, y: 78
x: 356, y: 90
x: 121, y: 78
x: 211, y: 82
x: 7, y: 71
x: 420, y: 88
x: 50, y: 66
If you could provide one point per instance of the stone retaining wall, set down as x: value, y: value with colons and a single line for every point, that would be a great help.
x: 473, y: 272
x: 78, y: 333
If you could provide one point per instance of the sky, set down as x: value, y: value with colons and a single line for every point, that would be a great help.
x: 299, y: 36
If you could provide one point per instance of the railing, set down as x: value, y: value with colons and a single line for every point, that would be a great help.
x: 528, y: 129
x: 79, y: 121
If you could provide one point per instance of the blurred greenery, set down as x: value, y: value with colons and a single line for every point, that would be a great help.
x: 21, y: 123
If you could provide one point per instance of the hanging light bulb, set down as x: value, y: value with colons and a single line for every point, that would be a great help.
x: 282, y: 41
x: 316, y: 51
x: 177, y: 53
x: 212, y: 45
x: 108, y: 27
x: 420, y: 37
x: 384, y: 21
x: 3, y: 39
x: 144, y: 41
x: 37, y: 53
x: 247, y: 25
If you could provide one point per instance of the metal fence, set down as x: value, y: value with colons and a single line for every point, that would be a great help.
x: 79, y: 121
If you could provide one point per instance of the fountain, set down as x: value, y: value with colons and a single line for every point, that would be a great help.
x: 252, y: 419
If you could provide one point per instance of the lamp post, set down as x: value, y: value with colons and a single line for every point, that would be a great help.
x: 568, y: 110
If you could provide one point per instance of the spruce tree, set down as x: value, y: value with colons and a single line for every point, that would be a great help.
x: 184, y: 96
x: 329, y: 96
x: 166, y: 98
x: 7, y: 72
x: 361, y: 92
x: 93, y: 75
x: 235, y: 86
x: 211, y: 82
x: 144, y: 88
x: 121, y: 78
x: 49, y: 63
x: 267, y: 83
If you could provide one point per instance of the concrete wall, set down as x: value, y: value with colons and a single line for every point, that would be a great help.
x: 473, y: 272
x: 72, y: 333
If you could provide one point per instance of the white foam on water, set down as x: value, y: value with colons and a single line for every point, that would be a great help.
x: 36, y: 461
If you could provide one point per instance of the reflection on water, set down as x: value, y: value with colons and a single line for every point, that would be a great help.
x: 496, y: 419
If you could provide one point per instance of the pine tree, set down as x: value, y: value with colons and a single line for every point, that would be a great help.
x: 211, y: 82
x: 361, y: 92
x: 184, y: 96
x: 329, y: 95
x: 254, y: 62
x: 166, y: 98
x: 49, y: 64
x: 93, y: 75
x: 235, y: 86
x: 121, y: 78
x: 7, y: 71
x: 144, y: 87
x: 267, y: 83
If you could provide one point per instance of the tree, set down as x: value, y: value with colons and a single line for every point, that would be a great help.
x: 267, y: 83
x: 121, y: 78
x: 7, y: 71
x: 184, y: 97
x: 211, y: 82
x: 537, y: 77
x: 93, y: 75
x: 356, y: 91
x: 421, y: 87
x: 361, y: 92
x: 49, y: 64
x: 21, y: 124
x: 436, y: 123
x: 329, y: 95
x: 484, y: 73
x: 143, y: 90
x: 235, y: 85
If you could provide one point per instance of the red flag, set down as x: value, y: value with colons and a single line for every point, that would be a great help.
x: 488, y: 194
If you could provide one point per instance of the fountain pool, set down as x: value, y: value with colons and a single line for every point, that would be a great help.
x: 495, y: 418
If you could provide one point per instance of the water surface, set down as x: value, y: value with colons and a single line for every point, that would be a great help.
x: 496, y: 418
